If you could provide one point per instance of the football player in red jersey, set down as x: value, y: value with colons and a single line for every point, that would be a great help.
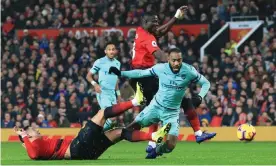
x: 145, y: 51
x: 90, y: 142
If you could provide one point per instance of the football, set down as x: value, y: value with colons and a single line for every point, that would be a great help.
x: 246, y: 132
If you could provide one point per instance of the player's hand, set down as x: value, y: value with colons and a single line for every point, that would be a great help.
x: 97, y: 88
x: 181, y: 12
x: 20, y: 131
x: 114, y: 70
x: 196, y: 100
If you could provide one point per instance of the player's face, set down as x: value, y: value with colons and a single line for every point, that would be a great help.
x: 152, y: 23
x: 110, y: 51
x: 175, y: 61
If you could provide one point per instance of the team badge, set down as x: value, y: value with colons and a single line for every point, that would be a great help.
x: 154, y: 44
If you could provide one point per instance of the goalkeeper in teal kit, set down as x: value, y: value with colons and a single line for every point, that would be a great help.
x: 107, y: 87
x: 174, y: 78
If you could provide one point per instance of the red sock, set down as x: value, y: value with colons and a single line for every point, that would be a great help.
x: 193, y: 119
x: 153, y: 128
x: 135, y: 135
x: 117, y: 109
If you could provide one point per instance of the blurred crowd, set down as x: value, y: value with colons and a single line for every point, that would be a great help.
x: 43, y: 80
x: 243, y: 85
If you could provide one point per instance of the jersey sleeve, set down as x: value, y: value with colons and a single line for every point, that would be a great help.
x: 151, y: 45
x: 194, y: 75
x: 200, y: 79
x: 156, y: 69
x: 137, y: 73
x: 96, y: 67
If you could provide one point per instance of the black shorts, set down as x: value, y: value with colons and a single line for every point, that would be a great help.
x: 90, y: 143
x: 149, y: 86
x: 187, y: 104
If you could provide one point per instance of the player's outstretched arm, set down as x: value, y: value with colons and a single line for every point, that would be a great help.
x: 31, y: 150
x: 158, y: 54
x: 132, y: 73
x: 204, y: 83
x: 205, y: 86
x: 137, y: 73
x: 162, y: 30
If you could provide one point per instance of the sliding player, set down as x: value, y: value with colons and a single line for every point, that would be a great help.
x: 91, y: 141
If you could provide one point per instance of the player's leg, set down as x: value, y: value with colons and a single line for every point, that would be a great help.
x: 172, y: 117
x: 168, y: 146
x: 91, y: 142
x: 116, y: 135
x: 106, y: 99
x: 109, y: 99
x: 191, y: 114
x: 86, y: 144
x: 117, y: 109
x: 113, y: 111
x: 145, y: 118
x: 133, y: 83
x: 149, y: 87
x: 192, y: 117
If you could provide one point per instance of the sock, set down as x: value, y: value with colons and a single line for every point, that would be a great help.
x: 193, y: 119
x: 107, y: 125
x: 152, y: 144
x: 134, y: 102
x: 162, y: 148
x: 117, y: 109
x: 135, y: 135
x: 198, y: 133
x: 153, y: 128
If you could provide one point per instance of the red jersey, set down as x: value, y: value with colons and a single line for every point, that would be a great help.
x: 143, y: 47
x: 47, y: 149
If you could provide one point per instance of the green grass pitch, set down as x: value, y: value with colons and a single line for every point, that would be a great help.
x: 190, y: 153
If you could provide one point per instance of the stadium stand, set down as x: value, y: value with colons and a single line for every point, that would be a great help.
x: 43, y: 80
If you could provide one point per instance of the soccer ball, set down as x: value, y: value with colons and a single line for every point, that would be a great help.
x: 246, y: 132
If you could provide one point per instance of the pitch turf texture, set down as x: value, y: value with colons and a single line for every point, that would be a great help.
x: 124, y: 153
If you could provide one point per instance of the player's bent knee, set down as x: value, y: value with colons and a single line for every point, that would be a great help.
x: 114, y: 135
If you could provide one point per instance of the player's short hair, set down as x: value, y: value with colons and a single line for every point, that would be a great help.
x: 176, y: 50
x: 20, y: 137
x: 149, y: 14
x: 109, y: 43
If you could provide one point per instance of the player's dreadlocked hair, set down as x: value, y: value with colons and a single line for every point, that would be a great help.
x: 20, y: 138
x: 176, y: 50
